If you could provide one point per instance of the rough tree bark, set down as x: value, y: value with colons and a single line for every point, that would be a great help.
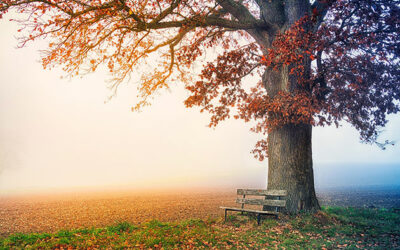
x: 290, y: 164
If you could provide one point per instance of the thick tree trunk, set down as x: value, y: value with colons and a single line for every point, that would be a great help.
x: 290, y: 166
x: 289, y: 147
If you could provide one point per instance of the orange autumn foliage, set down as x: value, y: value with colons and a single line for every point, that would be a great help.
x: 343, y: 55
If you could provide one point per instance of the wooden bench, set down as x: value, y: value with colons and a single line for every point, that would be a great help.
x: 271, y: 203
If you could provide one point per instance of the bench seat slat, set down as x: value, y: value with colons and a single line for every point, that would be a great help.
x: 262, y: 192
x: 249, y: 210
x: 275, y: 203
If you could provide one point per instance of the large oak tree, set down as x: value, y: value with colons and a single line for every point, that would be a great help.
x: 319, y: 62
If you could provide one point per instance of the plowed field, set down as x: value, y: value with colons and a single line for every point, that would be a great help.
x: 49, y: 213
x: 52, y: 212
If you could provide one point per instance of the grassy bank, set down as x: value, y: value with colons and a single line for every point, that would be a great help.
x: 331, y: 228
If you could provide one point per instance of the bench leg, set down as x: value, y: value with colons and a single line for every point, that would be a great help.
x: 225, y: 214
x: 258, y: 219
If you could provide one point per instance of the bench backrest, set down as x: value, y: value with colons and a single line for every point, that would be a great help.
x: 272, y: 198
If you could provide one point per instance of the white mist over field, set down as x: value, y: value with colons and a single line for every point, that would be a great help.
x: 57, y: 133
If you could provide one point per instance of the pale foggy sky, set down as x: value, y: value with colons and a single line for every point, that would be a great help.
x: 58, y: 133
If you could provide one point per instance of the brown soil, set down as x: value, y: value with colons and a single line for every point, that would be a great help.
x: 52, y: 212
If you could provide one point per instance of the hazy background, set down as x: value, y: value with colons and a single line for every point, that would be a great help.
x: 56, y: 134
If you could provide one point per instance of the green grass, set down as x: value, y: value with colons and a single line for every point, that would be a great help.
x: 332, y: 228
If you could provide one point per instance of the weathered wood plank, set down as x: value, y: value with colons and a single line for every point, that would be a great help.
x: 249, y: 210
x: 277, y: 203
x: 262, y: 192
